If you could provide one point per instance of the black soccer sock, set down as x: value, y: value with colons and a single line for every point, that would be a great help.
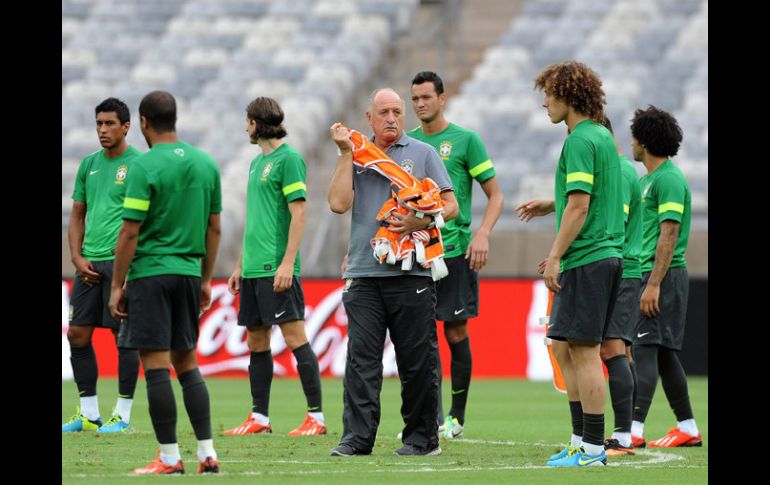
x: 674, y: 383
x: 196, y: 402
x: 461, y: 377
x: 593, y: 429
x: 576, y: 411
x: 621, y: 391
x: 646, y: 358
x: 307, y: 367
x: 632, y: 366
x: 440, y: 406
x: 261, y: 377
x: 84, y: 369
x: 128, y: 372
x: 160, y: 396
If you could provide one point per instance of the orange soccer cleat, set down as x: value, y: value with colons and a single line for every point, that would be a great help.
x: 675, y: 437
x: 612, y: 447
x: 310, y: 427
x: 638, y: 442
x: 157, y: 467
x: 209, y: 465
x: 250, y: 426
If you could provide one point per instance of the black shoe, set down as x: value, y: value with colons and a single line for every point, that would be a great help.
x: 345, y: 449
x: 412, y: 450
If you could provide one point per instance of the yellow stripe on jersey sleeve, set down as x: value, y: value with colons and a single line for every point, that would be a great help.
x: 138, y: 204
x: 294, y: 187
x: 671, y: 206
x: 580, y: 177
x: 480, y: 168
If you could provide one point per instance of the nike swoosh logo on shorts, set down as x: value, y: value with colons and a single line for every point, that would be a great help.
x: 279, y: 314
x: 457, y: 312
x: 420, y: 291
x: 640, y: 335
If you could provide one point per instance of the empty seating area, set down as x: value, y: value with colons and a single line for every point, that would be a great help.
x: 316, y: 56
x: 215, y: 57
x: 646, y: 52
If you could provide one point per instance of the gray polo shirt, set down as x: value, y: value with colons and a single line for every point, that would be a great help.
x: 371, y: 190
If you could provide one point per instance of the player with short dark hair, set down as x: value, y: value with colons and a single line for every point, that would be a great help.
x: 466, y: 160
x: 100, y: 187
x: 165, y: 254
x: 616, y: 347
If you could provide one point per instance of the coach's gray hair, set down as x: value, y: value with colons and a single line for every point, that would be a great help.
x: 377, y: 91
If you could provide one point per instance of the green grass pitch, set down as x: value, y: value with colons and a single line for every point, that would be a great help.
x: 512, y: 426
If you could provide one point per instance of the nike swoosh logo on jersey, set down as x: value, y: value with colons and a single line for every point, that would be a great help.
x: 279, y: 314
x: 420, y: 291
x: 253, y: 171
x: 640, y: 335
x: 93, y: 172
x: 457, y: 312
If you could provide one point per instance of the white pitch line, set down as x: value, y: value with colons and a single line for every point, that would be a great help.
x: 528, y: 466
x: 655, y: 459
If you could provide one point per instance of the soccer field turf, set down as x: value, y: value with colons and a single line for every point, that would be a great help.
x: 512, y: 426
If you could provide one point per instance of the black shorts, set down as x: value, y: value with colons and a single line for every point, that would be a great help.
x: 163, y: 313
x: 88, y: 304
x: 458, y: 293
x: 625, y: 314
x: 260, y: 305
x: 582, y: 308
x: 667, y: 329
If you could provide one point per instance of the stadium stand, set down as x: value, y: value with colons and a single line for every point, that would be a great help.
x: 316, y: 56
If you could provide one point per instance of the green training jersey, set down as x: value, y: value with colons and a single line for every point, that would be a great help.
x: 665, y: 197
x: 632, y: 211
x: 465, y: 158
x: 172, y: 190
x: 274, y: 181
x: 589, y: 163
x: 101, y: 184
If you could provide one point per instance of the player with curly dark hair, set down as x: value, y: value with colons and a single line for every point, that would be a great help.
x: 666, y: 208
x: 584, y: 266
x: 577, y: 85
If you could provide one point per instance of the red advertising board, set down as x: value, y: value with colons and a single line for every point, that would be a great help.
x: 505, y: 338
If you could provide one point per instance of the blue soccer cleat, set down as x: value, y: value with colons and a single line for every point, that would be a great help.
x: 452, y: 428
x: 580, y: 458
x: 568, y: 450
x: 78, y: 422
x: 114, y: 425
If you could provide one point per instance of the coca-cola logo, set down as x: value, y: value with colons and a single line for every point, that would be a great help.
x: 222, y: 347
x: 222, y: 344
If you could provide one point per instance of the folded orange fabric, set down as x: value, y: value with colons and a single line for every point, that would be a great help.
x: 414, y: 195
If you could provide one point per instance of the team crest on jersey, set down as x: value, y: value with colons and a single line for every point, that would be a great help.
x: 266, y: 171
x: 120, y: 175
x: 644, y: 194
x: 407, y: 165
x: 179, y: 152
x: 445, y: 149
